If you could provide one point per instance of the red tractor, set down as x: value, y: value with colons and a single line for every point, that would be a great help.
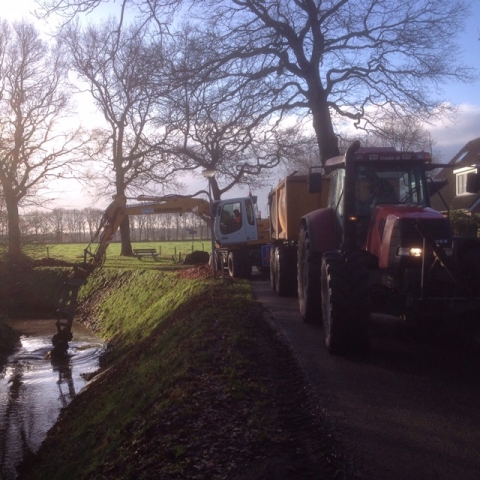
x: 378, y: 246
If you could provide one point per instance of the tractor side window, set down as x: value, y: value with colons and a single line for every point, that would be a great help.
x: 374, y: 187
x: 412, y: 187
x: 337, y: 179
x: 230, y: 218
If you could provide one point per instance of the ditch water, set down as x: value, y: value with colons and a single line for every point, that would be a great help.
x: 34, y: 389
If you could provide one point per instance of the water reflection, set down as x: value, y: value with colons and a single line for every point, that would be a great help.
x: 33, y: 388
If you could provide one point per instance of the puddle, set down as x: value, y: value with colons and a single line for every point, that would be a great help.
x: 33, y: 389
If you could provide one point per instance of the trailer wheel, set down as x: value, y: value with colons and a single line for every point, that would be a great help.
x: 273, y: 268
x: 285, y: 271
x: 345, y: 303
x: 308, y: 280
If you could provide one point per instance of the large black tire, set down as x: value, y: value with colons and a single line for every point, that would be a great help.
x: 234, y: 264
x: 286, y: 271
x: 239, y: 265
x: 308, y: 280
x: 273, y: 268
x: 345, y: 303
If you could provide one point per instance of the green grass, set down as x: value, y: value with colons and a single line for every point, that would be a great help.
x: 73, y: 252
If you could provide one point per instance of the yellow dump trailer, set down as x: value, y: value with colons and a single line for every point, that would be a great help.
x: 288, y: 202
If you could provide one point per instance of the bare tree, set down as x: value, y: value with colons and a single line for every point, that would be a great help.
x: 58, y: 221
x: 157, y: 12
x: 405, y: 133
x: 345, y: 59
x: 36, y: 226
x: 92, y: 219
x: 123, y: 72
x: 33, y: 100
x: 75, y: 222
x: 348, y: 58
x: 219, y: 122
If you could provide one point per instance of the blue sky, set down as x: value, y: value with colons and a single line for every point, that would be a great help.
x: 449, y: 136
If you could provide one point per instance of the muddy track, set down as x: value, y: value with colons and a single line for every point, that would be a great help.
x: 408, y: 409
x: 311, y: 449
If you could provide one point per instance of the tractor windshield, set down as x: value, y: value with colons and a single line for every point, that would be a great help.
x: 380, y: 184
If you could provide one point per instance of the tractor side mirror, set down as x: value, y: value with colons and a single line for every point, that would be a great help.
x: 314, y: 180
x: 473, y: 182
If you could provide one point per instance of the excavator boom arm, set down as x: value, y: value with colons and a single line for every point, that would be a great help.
x: 109, y: 224
x: 170, y: 204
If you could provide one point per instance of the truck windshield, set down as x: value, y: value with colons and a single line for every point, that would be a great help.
x: 380, y: 184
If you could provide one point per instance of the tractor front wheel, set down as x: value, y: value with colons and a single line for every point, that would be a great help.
x: 345, y: 303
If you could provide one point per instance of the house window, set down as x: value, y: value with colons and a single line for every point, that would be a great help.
x: 461, y: 183
x: 461, y: 179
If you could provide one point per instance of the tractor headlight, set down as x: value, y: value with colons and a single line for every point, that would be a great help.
x: 409, y: 252
x: 417, y: 252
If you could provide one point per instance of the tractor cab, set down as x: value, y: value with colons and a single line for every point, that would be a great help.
x: 372, y: 179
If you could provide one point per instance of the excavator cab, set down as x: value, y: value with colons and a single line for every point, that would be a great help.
x: 236, y: 221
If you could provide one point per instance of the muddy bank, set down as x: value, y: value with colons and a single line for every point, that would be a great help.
x: 8, y: 340
x: 30, y: 289
x: 200, y: 387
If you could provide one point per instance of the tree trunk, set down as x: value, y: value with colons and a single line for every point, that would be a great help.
x: 214, y: 189
x: 126, y: 243
x: 126, y: 250
x: 14, y: 239
x: 323, y: 126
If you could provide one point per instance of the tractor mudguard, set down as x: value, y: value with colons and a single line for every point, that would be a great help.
x: 322, y: 230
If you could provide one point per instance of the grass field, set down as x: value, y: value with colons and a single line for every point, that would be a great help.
x: 170, y: 253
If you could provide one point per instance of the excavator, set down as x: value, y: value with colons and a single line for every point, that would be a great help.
x: 237, y: 244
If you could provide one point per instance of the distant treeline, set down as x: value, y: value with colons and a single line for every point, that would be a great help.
x: 62, y: 225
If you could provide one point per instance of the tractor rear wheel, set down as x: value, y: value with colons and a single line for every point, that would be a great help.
x: 308, y: 279
x: 345, y: 303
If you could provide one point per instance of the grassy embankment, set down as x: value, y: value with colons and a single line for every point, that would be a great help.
x: 166, y: 330
x: 163, y: 325
x: 29, y: 290
x: 187, y: 390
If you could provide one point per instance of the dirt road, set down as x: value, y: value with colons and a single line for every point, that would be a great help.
x: 409, y: 410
